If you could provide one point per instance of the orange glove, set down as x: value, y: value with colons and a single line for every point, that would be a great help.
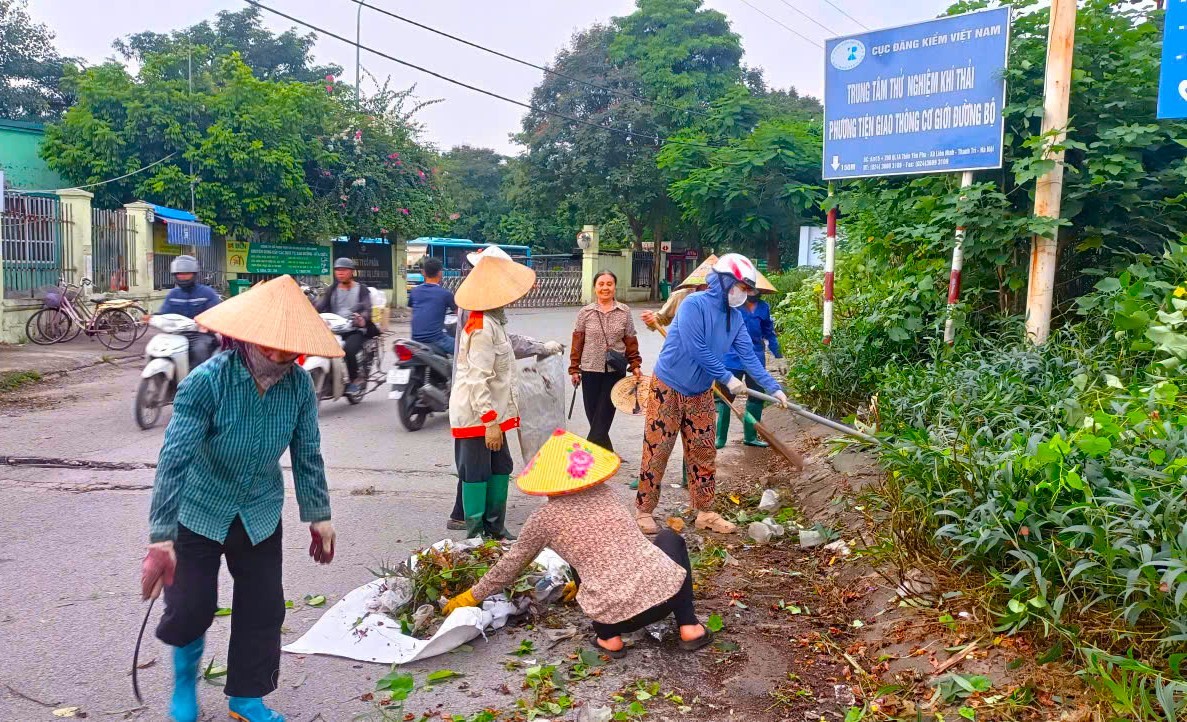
x: 570, y: 592
x: 465, y: 599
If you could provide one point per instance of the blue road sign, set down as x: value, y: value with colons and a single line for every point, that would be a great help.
x: 1172, y: 80
x: 924, y: 98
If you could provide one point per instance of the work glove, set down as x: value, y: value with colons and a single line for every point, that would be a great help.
x: 552, y: 348
x: 781, y: 398
x: 648, y: 319
x: 494, y: 437
x: 465, y: 599
x: 569, y: 593
x: 736, y: 386
x: 321, y: 544
x: 157, y: 569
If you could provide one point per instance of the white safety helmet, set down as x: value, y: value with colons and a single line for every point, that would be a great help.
x: 738, y: 267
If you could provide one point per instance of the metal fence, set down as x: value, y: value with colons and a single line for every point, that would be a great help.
x: 641, y: 269
x: 556, y: 262
x: 553, y: 288
x: 113, y: 250
x: 35, y: 235
x: 212, y: 260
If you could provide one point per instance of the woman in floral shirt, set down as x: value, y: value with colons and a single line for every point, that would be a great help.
x: 623, y: 581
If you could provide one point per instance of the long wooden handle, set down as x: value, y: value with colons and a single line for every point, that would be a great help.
x: 795, y: 457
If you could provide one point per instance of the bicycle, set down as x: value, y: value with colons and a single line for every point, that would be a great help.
x: 62, y: 319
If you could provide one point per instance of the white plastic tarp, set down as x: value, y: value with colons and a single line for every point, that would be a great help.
x: 541, y: 403
x: 349, y: 629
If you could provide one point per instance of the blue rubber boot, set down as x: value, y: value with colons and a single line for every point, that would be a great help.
x: 253, y: 709
x: 184, y: 707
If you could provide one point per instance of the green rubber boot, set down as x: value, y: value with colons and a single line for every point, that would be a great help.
x: 495, y: 517
x: 474, y: 504
x: 723, y: 423
x: 749, y: 436
x: 683, y: 475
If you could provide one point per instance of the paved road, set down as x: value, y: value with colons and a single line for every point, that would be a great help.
x: 73, y: 539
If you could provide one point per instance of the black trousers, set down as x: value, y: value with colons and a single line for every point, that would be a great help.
x: 352, y: 344
x: 680, y: 605
x: 475, y: 462
x: 595, y: 394
x: 257, y: 610
x: 202, y: 347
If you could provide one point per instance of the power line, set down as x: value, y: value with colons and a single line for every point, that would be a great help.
x: 838, y: 9
x: 109, y: 180
x: 785, y: 27
x: 809, y: 17
x: 622, y: 131
x: 541, y: 68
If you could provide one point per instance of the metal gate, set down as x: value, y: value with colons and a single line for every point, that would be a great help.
x: 553, y: 288
x: 113, y: 248
x: 641, y: 269
x: 35, y: 235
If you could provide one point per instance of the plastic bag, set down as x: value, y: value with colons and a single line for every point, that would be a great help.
x: 541, y: 403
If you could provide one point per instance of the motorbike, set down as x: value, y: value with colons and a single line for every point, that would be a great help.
x: 329, y: 375
x: 168, y: 355
x: 421, y: 379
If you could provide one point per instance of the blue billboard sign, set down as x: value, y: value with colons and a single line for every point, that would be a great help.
x: 923, y: 98
x: 1172, y: 80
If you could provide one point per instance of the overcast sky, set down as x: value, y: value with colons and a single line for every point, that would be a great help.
x: 530, y: 29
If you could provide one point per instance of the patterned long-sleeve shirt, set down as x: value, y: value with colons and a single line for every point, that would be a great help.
x: 622, y: 574
x: 221, y: 457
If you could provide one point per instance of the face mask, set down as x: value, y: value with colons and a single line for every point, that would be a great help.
x: 264, y: 370
x: 736, y: 297
x: 498, y: 314
x: 187, y: 284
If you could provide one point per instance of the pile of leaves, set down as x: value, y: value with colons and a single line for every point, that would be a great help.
x: 433, y: 575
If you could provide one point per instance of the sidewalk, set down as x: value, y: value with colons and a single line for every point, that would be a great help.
x: 80, y: 353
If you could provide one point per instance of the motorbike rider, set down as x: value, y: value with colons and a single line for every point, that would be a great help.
x: 429, y: 303
x: 189, y: 298
x: 351, y: 300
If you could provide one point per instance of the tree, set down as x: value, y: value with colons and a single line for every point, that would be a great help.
x: 248, y: 142
x: 30, y: 68
x: 473, y: 178
x: 288, y: 56
x: 640, y: 74
x: 755, y: 191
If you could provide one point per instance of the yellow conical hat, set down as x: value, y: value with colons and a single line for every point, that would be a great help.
x: 699, y: 275
x: 274, y: 314
x: 567, y: 464
x: 764, y: 286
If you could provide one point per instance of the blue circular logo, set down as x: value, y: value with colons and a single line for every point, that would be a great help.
x: 847, y: 54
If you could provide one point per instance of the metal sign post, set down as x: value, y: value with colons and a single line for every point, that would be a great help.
x: 921, y: 98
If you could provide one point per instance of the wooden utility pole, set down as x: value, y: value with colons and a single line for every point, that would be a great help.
x: 1061, y: 40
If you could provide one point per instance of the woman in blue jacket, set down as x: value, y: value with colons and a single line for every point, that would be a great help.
x: 757, y: 315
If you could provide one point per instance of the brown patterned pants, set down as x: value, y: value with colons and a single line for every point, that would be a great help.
x: 669, y: 413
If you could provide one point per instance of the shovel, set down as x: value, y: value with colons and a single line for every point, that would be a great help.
x: 796, y: 459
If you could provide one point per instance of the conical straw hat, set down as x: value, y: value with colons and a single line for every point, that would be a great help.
x: 629, y: 395
x: 494, y: 282
x: 764, y: 286
x: 567, y: 464
x: 274, y: 314
x: 700, y: 274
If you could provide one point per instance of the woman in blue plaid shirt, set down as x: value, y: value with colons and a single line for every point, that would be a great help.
x: 219, y: 492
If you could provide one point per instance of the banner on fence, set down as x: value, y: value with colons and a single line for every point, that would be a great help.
x: 161, y: 244
x: 372, y: 257
x: 278, y: 258
x: 923, y: 98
